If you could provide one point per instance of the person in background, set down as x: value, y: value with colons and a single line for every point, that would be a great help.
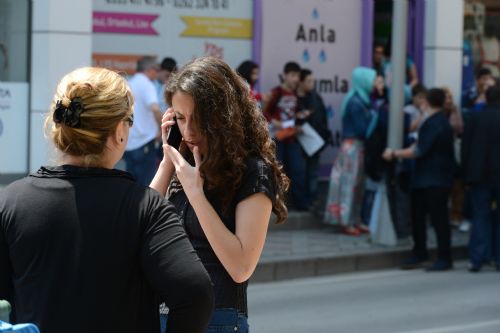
x: 431, y: 183
x: 396, y: 175
x: 416, y: 109
x: 224, y: 180
x: 140, y: 155
x: 167, y: 67
x: 281, y: 112
x: 311, y: 105
x: 382, y: 63
x: 249, y: 71
x: 379, y: 58
x: 457, y: 192
x: 82, y: 245
x: 474, y: 99
x: 453, y: 113
x: 481, y: 168
x: 345, y: 194
x: 412, y: 78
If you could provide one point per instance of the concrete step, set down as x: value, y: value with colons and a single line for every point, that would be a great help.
x: 291, y: 254
x: 298, y: 221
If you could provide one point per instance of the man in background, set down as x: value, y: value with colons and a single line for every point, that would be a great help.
x: 481, y: 165
x: 140, y: 154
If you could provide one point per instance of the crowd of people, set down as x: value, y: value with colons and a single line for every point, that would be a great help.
x: 429, y: 179
x: 445, y: 173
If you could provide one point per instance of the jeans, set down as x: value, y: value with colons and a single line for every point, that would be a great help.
x: 222, y: 321
x: 294, y: 163
x: 484, y: 242
x: 141, y: 162
x: 432, y: 201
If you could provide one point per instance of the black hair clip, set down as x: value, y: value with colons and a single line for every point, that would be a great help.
x: 69, y: 115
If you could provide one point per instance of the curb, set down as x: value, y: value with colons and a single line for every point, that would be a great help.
x: 285, y: 269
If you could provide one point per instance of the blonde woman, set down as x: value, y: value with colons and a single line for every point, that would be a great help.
x: 85, y: 246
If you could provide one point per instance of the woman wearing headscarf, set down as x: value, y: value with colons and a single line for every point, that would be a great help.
x: 345, y: 193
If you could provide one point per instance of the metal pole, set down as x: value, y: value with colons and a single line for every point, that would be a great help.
x: 398, y: 71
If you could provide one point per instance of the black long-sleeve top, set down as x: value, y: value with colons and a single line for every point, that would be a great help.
x: 91, y: 250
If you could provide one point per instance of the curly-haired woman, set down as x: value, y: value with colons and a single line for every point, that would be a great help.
x: 227, y: 180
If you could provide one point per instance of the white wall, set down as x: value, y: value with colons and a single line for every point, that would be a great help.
x: 443, y: 44
x: 61, y: 42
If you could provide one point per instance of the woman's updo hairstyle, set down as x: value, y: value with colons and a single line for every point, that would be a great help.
x: 88, y: 105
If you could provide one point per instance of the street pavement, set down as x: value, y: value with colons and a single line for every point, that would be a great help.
x: 390, y: 301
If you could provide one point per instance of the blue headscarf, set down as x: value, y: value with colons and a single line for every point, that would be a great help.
x: 362, y: 84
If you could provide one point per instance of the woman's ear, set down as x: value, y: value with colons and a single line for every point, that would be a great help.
x: 121, y: 135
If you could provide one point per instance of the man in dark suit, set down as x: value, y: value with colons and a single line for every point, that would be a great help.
x: 481, y: 164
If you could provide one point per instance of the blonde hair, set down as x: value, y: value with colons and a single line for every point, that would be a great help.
x: 106, y: 99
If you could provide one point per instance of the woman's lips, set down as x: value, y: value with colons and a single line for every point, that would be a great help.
x: 191, y: 145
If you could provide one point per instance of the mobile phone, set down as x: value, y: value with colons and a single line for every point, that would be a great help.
x: 174, y: 136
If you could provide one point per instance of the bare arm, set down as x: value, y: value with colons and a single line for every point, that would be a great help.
x: 413, y: 76
x: 162, y: 177
x: 407, y: 153
x: 239, y: 253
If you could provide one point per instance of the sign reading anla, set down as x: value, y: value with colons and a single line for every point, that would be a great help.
x: 314, y: 35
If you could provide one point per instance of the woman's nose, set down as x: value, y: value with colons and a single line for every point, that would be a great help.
x: 189, y: 132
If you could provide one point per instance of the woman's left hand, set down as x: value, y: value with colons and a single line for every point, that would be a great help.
x: 189, y: 176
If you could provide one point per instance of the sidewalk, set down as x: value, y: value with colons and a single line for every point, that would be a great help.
x: 305, y: 248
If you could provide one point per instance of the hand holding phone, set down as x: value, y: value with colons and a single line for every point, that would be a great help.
x: 174, y: 136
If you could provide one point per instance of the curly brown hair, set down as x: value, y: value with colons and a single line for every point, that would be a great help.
x: 228, y: 116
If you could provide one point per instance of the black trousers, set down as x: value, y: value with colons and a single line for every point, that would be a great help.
x: 431, y: 202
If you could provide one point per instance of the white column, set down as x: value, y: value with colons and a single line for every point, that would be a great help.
x: 443, y: 44
x: 61, y: 42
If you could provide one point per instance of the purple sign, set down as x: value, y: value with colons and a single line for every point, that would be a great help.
x: 123, y: 23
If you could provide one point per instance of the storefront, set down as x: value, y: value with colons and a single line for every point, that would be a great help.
x: 14, y: 88
x: 330, y: 37
x: 124, y: 31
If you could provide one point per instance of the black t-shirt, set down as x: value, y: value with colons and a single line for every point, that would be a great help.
x: 434, y: 164
x: 91, y: 250
x: 258, y: 178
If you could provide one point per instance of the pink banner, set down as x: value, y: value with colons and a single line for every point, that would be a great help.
x: 124, y: 23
